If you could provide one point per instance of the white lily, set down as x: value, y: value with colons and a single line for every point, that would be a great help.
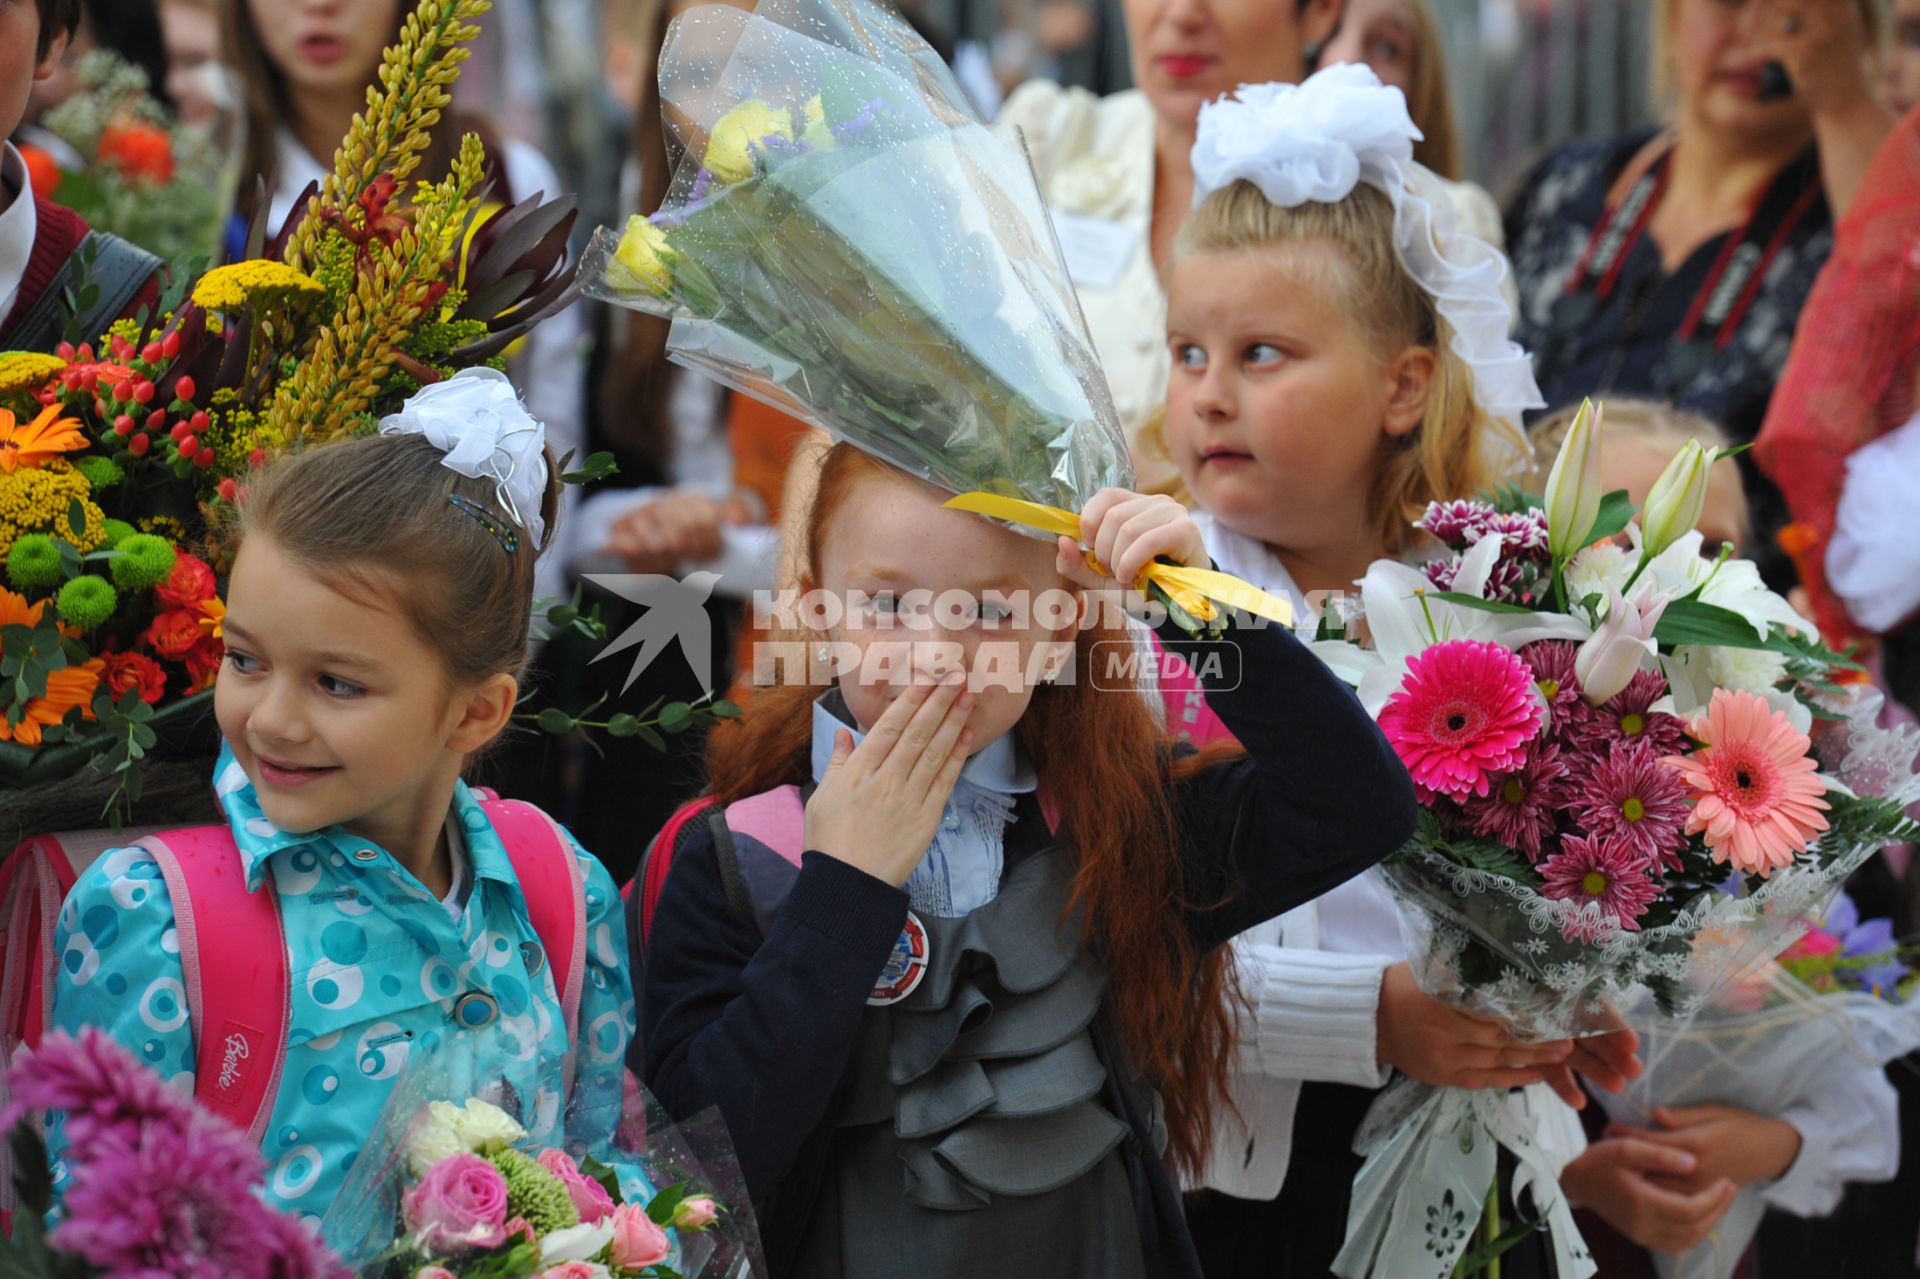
x: 1609, y: 660
x: 1694, y: 671
x: 1677, y: 497
x: 1405, y: 620
x: 1734, y: 585
x: 1573, y: 487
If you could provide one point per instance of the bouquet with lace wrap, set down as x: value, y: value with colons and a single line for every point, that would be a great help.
x: 845, y: 240
x: 1623, y: 807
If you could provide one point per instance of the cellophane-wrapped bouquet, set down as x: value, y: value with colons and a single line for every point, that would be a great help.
x: 845, y: 240
x: 469, y: 1177
x: 1771, y: 1043
x: 1626, y: 802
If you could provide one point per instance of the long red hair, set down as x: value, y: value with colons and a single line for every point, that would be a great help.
x: 1109, y: 766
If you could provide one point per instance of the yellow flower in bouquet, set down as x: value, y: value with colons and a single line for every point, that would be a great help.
x: 646, y: 256
x: 26, y: 370
x: 818, y: 134
x: 741, y: 131
x: 244, y: 284
x: 42, y: 498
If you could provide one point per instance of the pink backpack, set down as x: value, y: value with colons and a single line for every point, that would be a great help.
x: 233, y: 950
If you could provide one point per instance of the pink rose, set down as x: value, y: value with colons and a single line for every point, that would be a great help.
x: 574, y: 1270
x: 1816, y: 944
x: 696, y: 1213
x: 460, y: 1203
x: 637, y: 1242
x: 588, y: 1195
x: 434, y: 1272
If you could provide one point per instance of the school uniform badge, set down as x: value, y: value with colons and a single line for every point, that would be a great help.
x: 906, y: 966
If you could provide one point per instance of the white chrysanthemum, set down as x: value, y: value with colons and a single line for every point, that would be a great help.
x: 1754, y: 670
x: 1597, y: 568
x: 576, y: 1243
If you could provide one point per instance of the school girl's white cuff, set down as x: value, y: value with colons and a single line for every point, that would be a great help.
x: 1315, y: 1014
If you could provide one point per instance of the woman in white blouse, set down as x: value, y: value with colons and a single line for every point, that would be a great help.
x: 1117, y: 173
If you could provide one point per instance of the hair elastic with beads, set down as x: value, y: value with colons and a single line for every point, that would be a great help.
x: 485, y: 519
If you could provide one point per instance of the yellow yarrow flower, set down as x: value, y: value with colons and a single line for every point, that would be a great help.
x: 39, y: 500
x: 742, y: 131
x: 245, y: 284
x: 646, y: 256
x: 27, y: 370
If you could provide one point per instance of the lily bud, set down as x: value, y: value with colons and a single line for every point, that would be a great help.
x: 1607, y: 662
x: 1573, y: 488
x: 1677, y: 498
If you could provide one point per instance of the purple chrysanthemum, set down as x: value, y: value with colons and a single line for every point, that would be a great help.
x: 1458, y: 524
x: 1629, y: 717
x: 1441, y: 573
x: 1630, y: 798
x: 1518, y: 809
x: 1523, y: 534
x: 1611, y: 885
x: 1551, y: 662
x: 158, y: 1186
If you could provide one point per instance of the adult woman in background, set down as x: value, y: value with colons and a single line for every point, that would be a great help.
x: 1118, y: 175
x: 1673, y: 264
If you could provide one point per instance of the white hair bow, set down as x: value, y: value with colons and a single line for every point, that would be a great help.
x: 476, y: 418
x: 1316, y: 141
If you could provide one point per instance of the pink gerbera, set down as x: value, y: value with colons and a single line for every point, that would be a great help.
x: 1464, y: 710
x: 1752, y: 783
x: 1628, y: 717
x: 1519, y: 808
x: 1628, y: 796
x: 1608, y: 880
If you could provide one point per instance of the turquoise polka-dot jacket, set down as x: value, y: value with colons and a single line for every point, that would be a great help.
x: 376, y: 964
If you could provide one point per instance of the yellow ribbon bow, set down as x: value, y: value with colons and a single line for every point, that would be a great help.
x: 1192, y: 589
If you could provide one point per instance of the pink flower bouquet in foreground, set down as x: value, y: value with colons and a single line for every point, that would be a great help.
x: 478, y: 1200
x: 156, y: 1187
x: 1613, y: 736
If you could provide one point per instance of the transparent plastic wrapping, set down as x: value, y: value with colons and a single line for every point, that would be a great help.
x: 1766, y: 1044
x: 1490, y: 943
x: 845, y: 240
x: 453, y: 1102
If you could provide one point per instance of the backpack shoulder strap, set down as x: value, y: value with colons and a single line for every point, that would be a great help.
x: 120, y: 270
x: 657, y: 862
x: 235, y: 970
x: 556, y: 896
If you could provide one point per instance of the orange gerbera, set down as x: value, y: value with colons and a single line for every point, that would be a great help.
x: 1753, y: 783
x: 16, y: 611
x: 47, y: 436
x: 67, y: 688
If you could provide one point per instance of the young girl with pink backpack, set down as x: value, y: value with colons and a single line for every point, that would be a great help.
x: 362, y: 906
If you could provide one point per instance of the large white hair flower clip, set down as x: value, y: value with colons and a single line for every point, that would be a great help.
x: 1317, y: 140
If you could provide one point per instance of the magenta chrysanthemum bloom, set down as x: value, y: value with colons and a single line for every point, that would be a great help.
x: 1458, y: 524
x: 1441, y: 572
x: 1523, y: 535
x: 1629, y: 717
x: 157, y: 1186
x: 1628, y: 797
x: 1551, y: 662
x: 1518, y: 810
x: 1610, y: 883
x: 1464, y: 710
